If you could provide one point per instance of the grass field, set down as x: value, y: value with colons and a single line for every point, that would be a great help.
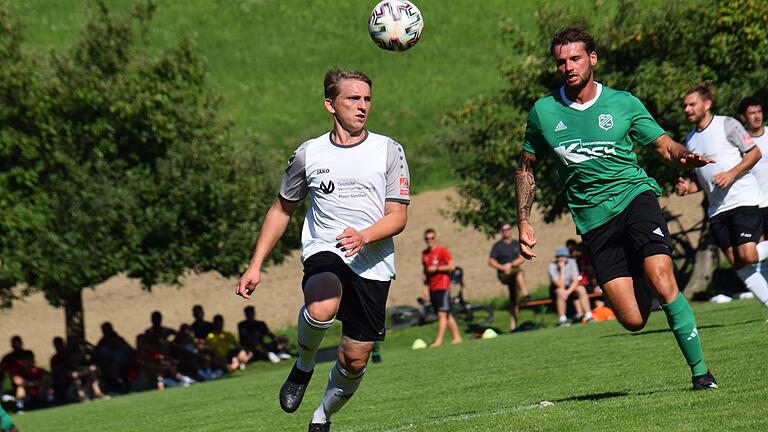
x: 598, y: 376
x: 267, y: 58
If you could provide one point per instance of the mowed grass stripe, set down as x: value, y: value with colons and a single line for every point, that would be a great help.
x: 597, y: 376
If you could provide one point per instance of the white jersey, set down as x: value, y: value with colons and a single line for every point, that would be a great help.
x: 349, y: 186
x: 724, y: 140
x: 760, y: 170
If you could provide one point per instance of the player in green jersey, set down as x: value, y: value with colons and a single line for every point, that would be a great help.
x: 6, y: 424
x: 589, y: 129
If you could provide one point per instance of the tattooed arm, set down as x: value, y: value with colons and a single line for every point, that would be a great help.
x: 675, y: 152
x: 525, y: 190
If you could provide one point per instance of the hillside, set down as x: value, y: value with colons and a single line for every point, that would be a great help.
x: 268, y: 57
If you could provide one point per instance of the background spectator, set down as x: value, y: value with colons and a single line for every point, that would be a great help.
x: 564, y: 277
x: 31, y: 385
x: 256, y: 337
x: 200, y: 327
x: 438, y: 265
x: 113, y: 357
x: 225, y: 345
x: 506, y: 259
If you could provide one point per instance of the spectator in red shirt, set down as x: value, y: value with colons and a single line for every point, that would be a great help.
x: 438, y: 265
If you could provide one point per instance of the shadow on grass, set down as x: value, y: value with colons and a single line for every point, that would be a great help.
x: 593, y: 397
x: 650, y: 332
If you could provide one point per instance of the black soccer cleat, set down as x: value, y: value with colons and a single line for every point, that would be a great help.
x: 292, y: 391
x: 319, y: 427
x: 704, y: 382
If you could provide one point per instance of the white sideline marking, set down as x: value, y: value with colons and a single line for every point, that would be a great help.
x: 454, y: 417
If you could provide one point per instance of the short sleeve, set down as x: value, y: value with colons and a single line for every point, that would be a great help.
x: 554, y: 273
x: 447, y: 255
x: 398, y: 177
x: 737, y: 135
x: 293, y: 186
x: 534, y: 140
x: 495, y: 252
x: 643, y: 128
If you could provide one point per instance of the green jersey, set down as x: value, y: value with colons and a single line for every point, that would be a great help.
x: 593, y: 145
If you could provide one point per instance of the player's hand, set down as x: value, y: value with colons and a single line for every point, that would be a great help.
x: 682, y: 187
x: 527, y: 238
x: 248, y: 282
x: 432, y: 269
x: 689, y: 159
x: 723, y: 180
x: 351, y: 241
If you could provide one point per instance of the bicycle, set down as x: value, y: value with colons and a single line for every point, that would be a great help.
x: 465, y: 313
x: 683, y: 251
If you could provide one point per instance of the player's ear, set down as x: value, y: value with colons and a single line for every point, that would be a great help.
x: 329, y: 106
x: 593, y: 58
x: 707, y: 104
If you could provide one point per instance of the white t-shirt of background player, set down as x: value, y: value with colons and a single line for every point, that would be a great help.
x: 724, y: 140
x: 760, y: 170
x: 349, y: 186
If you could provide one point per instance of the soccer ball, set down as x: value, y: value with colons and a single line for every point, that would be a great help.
x: 395, y: 25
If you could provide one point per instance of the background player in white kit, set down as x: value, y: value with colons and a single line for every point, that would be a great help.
x: 751, y: 113
x: 733, y: 192
x: 359, y: 187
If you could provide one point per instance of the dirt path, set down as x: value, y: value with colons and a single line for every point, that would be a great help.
x: 122, y: 301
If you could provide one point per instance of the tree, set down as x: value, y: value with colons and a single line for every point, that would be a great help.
x: 657, y: 53
x: 115, y: 160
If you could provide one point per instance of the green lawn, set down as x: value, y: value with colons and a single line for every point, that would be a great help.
x: 598, y: 376
x: 268, y: 57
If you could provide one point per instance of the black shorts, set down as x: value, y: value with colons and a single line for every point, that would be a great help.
x: 441, y: 300
x: 363, y: 300
x: 618, y: 247
x: 737, y: 226
x: 764, y: 213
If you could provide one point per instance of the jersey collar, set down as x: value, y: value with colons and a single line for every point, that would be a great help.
x: 578, y: 106
x: 330, y: 138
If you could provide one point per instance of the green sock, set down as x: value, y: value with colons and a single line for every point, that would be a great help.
x: 683, y: 324
x: 5, y: 420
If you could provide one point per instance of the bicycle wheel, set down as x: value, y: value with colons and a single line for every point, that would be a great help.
x: 475, y: 314
x: 683, y: 258
x: 399, y: 317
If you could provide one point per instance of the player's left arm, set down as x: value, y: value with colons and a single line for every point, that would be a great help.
x: 395, y: 217
x: 397, y: 198
x: 751, y: 154
x: 673, y: 151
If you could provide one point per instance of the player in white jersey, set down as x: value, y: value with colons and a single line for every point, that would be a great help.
x: 751, y: 113
x: 358, y: 182
x: 732, y: 190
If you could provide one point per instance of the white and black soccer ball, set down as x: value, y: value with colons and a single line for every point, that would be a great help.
x: 395, y: 25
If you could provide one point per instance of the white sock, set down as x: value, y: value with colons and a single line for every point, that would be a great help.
x: 755, y: 281
x: 563, y: 318
x: 588, y: 315
x: 762, y: 250
x: 341, y: 386
x: 311, y: 332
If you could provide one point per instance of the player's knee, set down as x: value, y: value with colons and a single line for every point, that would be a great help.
x: 632, y: 324
x: 321, y: 311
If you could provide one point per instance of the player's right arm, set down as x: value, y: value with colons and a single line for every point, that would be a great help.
x: 525, y: 190
x: 275, y: 224
x: 293, y: 188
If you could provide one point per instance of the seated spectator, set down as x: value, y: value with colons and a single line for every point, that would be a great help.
x: 151, y: 368
x: 564, y: 279
x: 112, y: 355
x: 194, y: 360
x: 256, y: 337
x: 31, y: 385
x: 224, y: 344
x: 74, y: 372
x: 200, y: 327
x: 587, y: 277
x: 157, y: 331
